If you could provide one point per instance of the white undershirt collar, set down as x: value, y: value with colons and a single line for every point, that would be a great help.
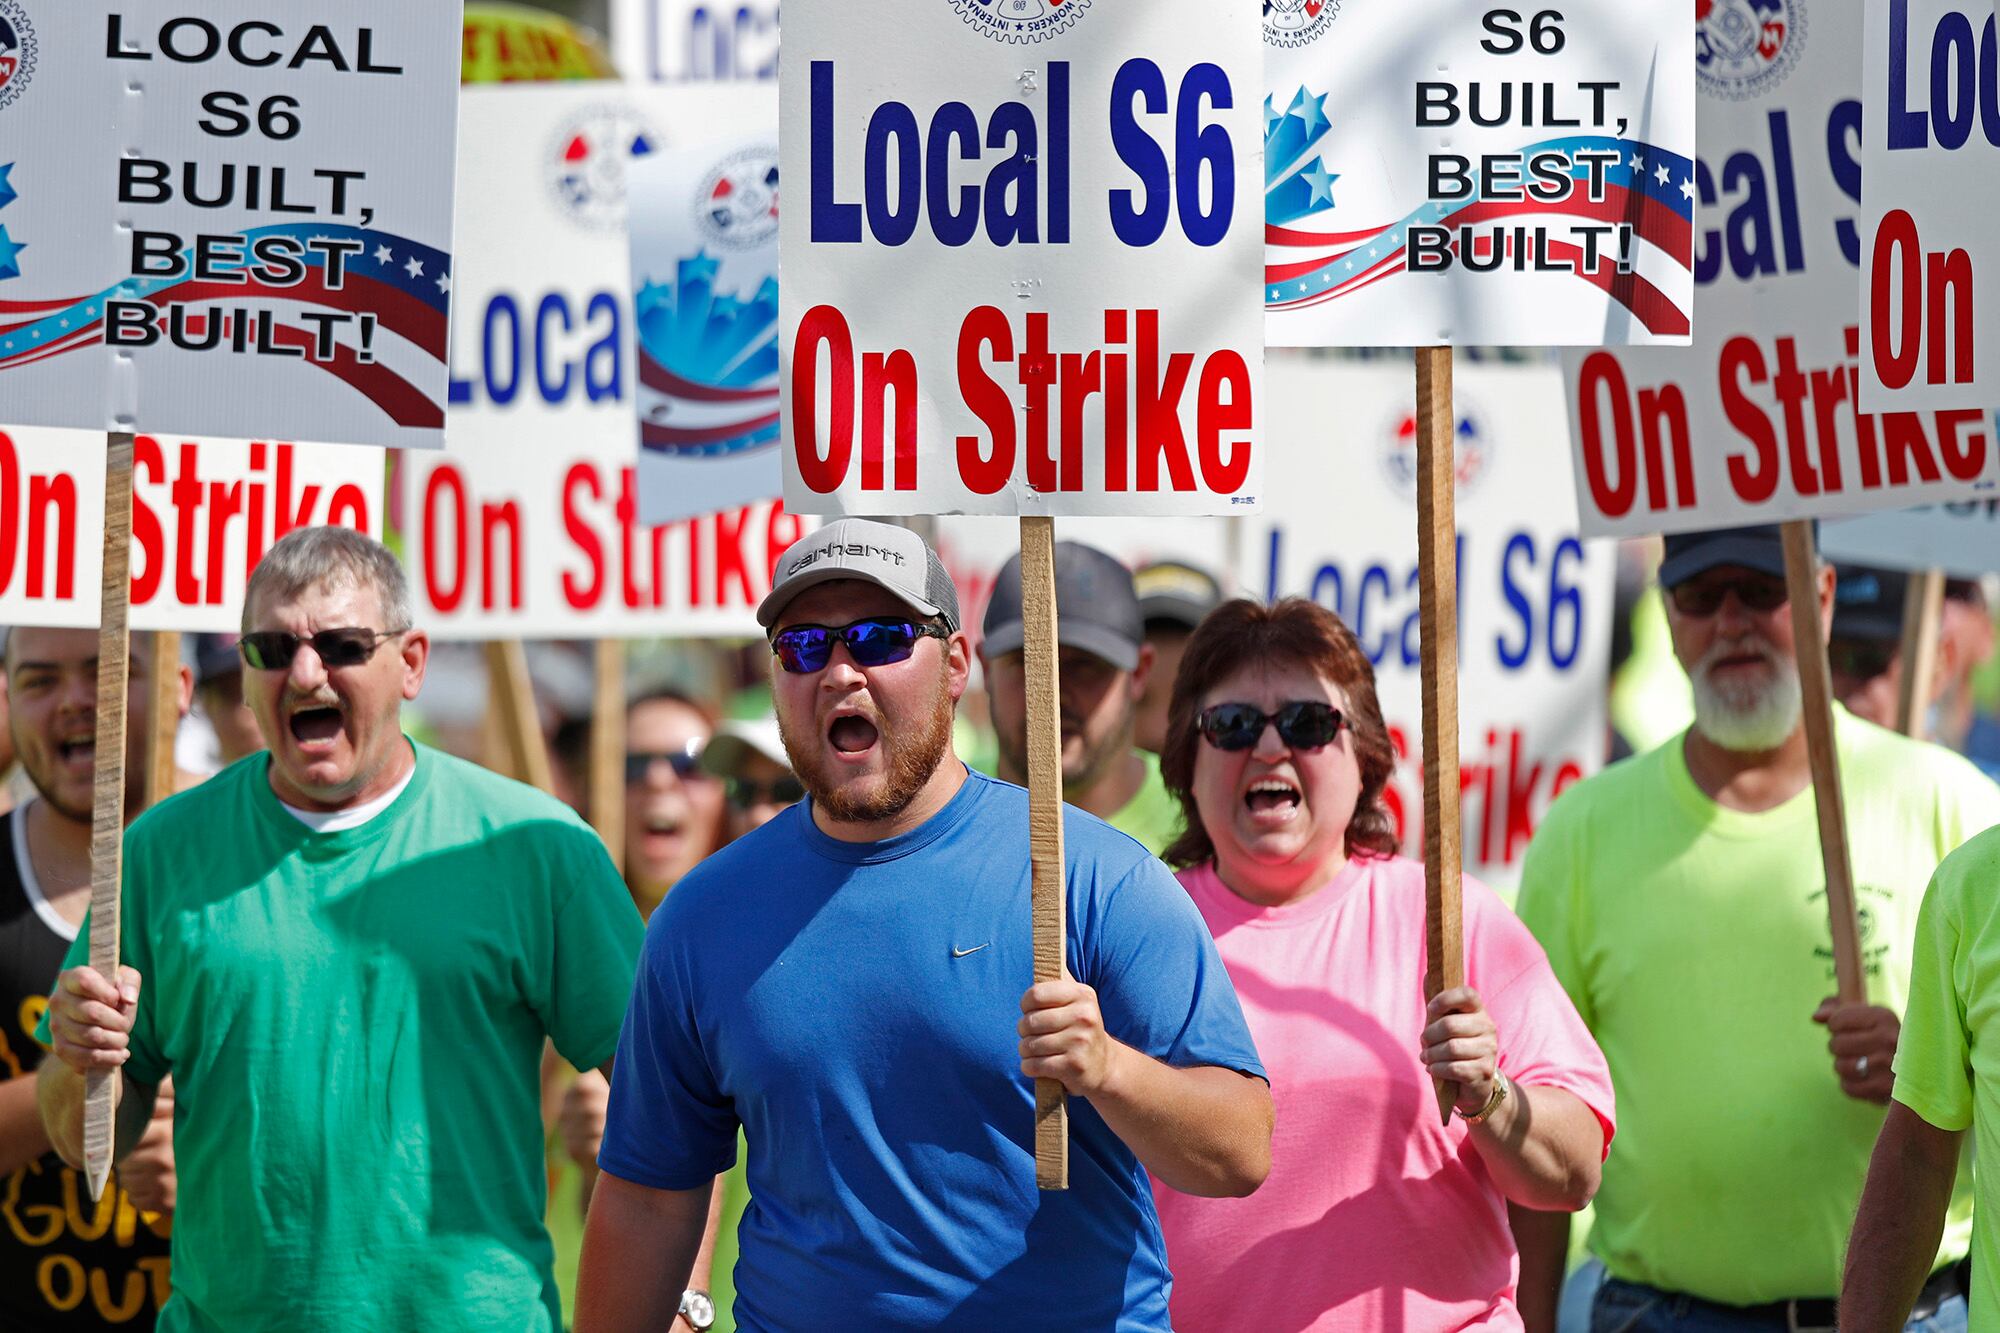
x: 31, y: 884
x: 349, y: 817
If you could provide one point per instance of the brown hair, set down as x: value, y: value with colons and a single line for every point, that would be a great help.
x: 1294, y: 632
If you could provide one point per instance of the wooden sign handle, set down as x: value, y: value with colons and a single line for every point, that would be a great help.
x: 107, y: 804
x: 606, y: 791
x: 164, y: 711
x: 1923, y: 607
x: 512, y: 701
x: 1437, y: 563
x: 1045, y: 832
x: 1817, y: 694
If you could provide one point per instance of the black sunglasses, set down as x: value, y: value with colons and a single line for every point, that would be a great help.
x: 1761, y: 596
x: 686, y: 763
x: 1303, y: 724
x: 743, y: 793
x: 877, y: 641
x: 274, y: 649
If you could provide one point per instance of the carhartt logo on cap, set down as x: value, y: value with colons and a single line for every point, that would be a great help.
x: 860, y: 550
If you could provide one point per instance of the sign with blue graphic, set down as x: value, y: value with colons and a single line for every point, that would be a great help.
x: 705, y: 265
x: 223, y: 224
x: 1444, y: 173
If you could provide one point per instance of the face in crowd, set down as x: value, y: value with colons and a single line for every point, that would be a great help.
x: 1097, y: 701
x: 865, y: 740
x: 673, y: 810
x: 52, y: 714
x: 334, y: 729
x: 1732, y: 631
x: 759, y: 791
x: 1167, y: 641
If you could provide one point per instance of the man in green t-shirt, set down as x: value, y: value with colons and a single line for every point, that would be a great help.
x: 1104, y: 663
x: 352, y: 949
x: 1944, y: 1084
x: 1681, y: 899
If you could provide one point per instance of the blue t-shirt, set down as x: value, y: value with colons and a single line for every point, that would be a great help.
x: 853, y: 1007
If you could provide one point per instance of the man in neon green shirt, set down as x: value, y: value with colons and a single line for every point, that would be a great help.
x: 352, y: 949
x: 1680, y: 897
x: 1104, y: 664
x: 1944, y: 1084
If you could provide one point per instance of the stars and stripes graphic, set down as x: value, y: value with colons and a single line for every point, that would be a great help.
x: 391, y: 351
x: 708, y: 364
x: 1640, y: 198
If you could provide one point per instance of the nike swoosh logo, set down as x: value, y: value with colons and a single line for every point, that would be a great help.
x: 957, y: 952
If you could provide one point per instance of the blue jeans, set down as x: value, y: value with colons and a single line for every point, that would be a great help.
x: 1626, y: 1307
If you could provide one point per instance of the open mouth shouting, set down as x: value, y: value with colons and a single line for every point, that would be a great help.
x: 316, y: 724
x: 1272, y: 801
x: 852, y: 736
x: 77, y: 750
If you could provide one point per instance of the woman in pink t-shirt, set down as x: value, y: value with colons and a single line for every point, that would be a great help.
x: 1375, y: 1215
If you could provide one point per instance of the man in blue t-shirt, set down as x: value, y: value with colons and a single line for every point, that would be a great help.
x: 847, y: 984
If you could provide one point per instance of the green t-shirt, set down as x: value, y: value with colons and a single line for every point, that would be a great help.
x: 354, y: 1021
x: 1948, y: 1057
x: 1694, y: 941
x: 1152, y: 818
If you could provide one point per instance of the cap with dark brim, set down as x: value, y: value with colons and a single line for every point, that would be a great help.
x: 1691, y: 554
x: 1097, y: 640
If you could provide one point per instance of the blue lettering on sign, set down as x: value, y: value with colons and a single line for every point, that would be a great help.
x: 557, y: 352
x: 1385, y: 612
x: 1200, y: 151
x: 1843, y: 153
x: 726, y: 45
x: 1964, y: 83
x: 1762, y: 234
x: 1561, y: 625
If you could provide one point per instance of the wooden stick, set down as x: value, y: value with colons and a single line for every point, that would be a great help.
x: 606, y: 784
x: 164, y: 707
x: 1437, y: 563
x: 1923, y: 607
x: 1045, y: 833
x: 1816, y: 687
x: 512, y: 703
x: 107, y: 803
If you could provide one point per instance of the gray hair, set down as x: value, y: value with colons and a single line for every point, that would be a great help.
x: 324, y: 555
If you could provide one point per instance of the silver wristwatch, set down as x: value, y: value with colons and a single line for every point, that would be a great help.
x: 698, y: 1310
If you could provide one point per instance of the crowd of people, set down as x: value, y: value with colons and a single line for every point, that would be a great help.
x: 362, y: 974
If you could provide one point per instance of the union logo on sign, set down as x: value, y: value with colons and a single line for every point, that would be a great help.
x: 17, y: 51
x: 1020, y: 21
x: 1472, y: 454
x: 1745, y: 48
x: 587, y: 159
x: 736, y: 205
x: 1292, y: 23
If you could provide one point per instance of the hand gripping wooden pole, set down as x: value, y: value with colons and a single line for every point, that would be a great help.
x: 1437, y: 563
x: 606, y: 791
x: 1816, y: 689
x: 1923, y: 607
x: 511, y: 697
x: 1045, y: 833
x: 107, y: 804
x: 164, y: 717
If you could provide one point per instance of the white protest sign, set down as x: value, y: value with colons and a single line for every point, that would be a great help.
x: 1021, y: 259
x: 704, y: 227
x: 695, y: 41
x: 1339, y: 526
x: 203, y: 514
x: 1759, y: 421
x: 1444, y: 173
x: 1931, y: 191
x: 233, y: 224
x: 1962, y: 539
x: 527, y: 526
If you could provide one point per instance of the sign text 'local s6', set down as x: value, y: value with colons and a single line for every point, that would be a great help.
x: 1022, y: 257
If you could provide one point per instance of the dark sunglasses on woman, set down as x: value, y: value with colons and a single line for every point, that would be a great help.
x: 876, y: 641
x: 274, y: 649
x: 743, y: 793
x: 1303, y: 724
x: 685, y: 763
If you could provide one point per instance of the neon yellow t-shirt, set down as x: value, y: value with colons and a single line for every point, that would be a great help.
x: 1946, y: 1057
x: 1152, y: 817
x: 1694, y: 942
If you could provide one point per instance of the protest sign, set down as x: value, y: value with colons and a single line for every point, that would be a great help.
x: 1442, y: 173
x: 222, y: 224
x: 1760, y: 421
x: 1930, y: 189
x: 1962, y: 539
x: 704, y: 229
x: 527, y: 525
x: 695, y: 41
x: 1023, y: 276
x: 203, y: 514
x: 509, y: 43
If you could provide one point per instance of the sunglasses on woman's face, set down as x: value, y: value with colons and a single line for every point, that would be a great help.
x: 876, y: 641
x: 274, y: 649
x: 743, y: 793
x: 1304, y: 724
x: 685, y: 763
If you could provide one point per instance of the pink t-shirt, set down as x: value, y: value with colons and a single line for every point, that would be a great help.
x: 1375, y: 1216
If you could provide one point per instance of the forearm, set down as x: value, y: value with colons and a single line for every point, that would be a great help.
x: 22, y: 1138
x: 1900, y: 1221
x: 1543, y: 1241
x: 1543, y: 1147
x: 59, y: 1090
x: 1204, y: 1130
x: 639, y: 1250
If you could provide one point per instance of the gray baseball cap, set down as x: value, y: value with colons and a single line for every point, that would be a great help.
x: 1096, y: 607
x: 883, y: 554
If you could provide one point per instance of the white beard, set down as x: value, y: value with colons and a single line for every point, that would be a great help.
x: 1746, y: 723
